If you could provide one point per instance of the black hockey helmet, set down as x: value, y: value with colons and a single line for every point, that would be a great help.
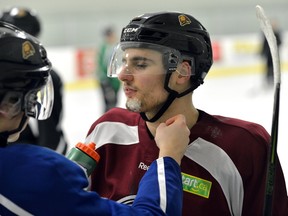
x: 24, y: 19
x: 25, y: 82
x: 178, y: 31
x: 179, y: 37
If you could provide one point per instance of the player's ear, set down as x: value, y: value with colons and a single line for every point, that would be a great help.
x: 184, y: 72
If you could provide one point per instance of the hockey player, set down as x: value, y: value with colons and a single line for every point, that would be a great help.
x: 38, y: 181
x: 109, y: 87
x: 49, y: 132
x: 161, y: 59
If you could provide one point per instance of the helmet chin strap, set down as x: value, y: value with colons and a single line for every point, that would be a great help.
x: 173, y: 60
x: 5, y: 135
x: 170, y: 99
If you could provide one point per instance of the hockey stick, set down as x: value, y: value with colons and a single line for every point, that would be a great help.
x: 271, y: 39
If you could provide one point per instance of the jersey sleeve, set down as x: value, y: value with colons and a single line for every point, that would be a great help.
x: 160, y: 189
x: 49, y: 184
x: 160, y: 193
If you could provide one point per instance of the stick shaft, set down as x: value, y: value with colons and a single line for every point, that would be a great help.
x: 271, y: 166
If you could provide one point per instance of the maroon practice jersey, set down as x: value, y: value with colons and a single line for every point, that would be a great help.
x: 223, y: 170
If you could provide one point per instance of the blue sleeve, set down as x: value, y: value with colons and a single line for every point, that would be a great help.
x: 50, y: 184
x: 160, y: 193
x: 160, y: 190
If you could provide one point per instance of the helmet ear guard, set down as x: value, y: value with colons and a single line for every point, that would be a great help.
x: 171, y: 59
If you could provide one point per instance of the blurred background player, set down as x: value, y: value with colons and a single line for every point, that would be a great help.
x: 110, y: 87
x: 48, y: 132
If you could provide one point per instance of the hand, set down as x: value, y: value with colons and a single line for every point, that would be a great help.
x: 172, y: 137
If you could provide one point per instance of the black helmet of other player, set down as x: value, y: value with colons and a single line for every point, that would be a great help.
x: 178, y: 33
x: 23, y: 18
x: 25, y: 82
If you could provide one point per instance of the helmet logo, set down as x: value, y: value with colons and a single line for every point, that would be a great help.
x: 27, y: 50
x: 184, y: 20
x: 130, y: 30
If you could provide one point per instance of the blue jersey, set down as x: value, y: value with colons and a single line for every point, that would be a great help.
x: 37, y: 181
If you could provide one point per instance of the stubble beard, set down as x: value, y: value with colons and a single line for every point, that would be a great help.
x: 133, y: 104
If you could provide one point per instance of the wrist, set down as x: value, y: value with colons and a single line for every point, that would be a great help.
x: 176, y: 158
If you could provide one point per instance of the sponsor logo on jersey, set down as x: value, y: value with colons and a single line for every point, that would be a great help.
x: 27, y: 50
x: 143, y: 166
x: 195, y: 185
x: 184, y: 20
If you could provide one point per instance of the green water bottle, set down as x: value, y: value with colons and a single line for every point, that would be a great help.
x: 85, y: 156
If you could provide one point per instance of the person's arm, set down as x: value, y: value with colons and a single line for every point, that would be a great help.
x: 161, y: 185
x: 172, y: 138
x: 160, y: 190
x: 63, y: 182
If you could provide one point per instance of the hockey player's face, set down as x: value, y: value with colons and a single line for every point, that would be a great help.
x: 12, y: 123
x: 143, y: 76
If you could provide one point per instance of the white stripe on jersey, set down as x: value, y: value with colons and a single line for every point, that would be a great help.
x: 162, y: 183
x: 218, y: 163
x: 13, y: 207
x: 113, y: 132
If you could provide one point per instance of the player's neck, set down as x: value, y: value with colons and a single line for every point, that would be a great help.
x: 189, y: 111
